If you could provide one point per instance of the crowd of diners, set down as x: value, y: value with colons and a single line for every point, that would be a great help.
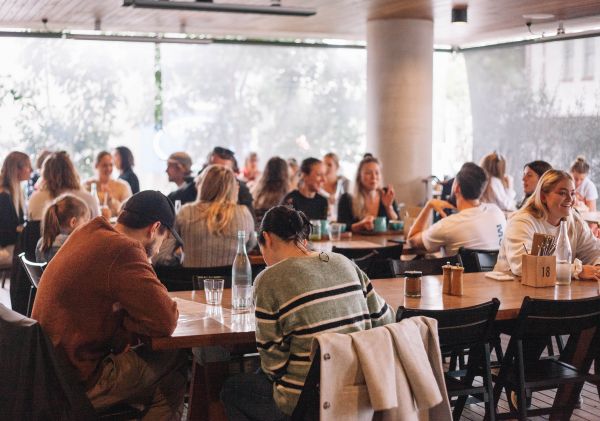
x: 99, y: 292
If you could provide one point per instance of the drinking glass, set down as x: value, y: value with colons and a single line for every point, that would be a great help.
x: 213, y: 289
x: 335, y: 231
x: 315, y: 232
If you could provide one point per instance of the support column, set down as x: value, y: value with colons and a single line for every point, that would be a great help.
x: 399, y: 102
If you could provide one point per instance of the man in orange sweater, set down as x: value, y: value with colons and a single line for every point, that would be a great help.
x: 99, y: 294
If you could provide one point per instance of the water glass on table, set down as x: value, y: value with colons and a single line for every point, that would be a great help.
x: 335, y: 231
x: 315, y: 232
x: 213, y: 288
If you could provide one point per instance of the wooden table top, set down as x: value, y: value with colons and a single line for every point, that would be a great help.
x: 203, y: 325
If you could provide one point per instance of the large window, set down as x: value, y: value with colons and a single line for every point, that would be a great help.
x: 85, y: 96
x: 526, y: 116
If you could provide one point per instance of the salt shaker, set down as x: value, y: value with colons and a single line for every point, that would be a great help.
x: 447, y: 276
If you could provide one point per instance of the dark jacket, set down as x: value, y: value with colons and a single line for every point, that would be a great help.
x: 37, y: 383
x: 9, y: 220
x: 346, y: 216
x: 129, y: 176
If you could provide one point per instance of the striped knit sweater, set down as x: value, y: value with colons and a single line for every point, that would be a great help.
x: 297, y: 299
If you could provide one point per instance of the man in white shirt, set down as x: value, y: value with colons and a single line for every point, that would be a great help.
x: 476, y: 225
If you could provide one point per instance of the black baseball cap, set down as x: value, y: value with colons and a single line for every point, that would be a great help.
x: 152, y: 206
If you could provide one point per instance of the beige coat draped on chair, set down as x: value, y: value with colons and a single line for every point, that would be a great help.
x: 393, y: 372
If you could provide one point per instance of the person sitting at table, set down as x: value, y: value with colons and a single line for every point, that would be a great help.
x: 59, y: 177
x: 369, y: 201
x: 36, y: 175
x: 500, y: 187
x: 62, y: 216
x: 111, y: 193
x: 123, y: 158
x: 306, y: 198
x: 294, y: 172
x: 15, y: 169
x: 251, y: 173
x: 99, y: 296
x: 179, y: 171
x: 476, y: 225
x: 299, y: 295
x: 532, y: 171
x: 585, y: 189
x: 335, y: 185
x: 271, y: 188
x: 552, y: 201
x: 209, y: 226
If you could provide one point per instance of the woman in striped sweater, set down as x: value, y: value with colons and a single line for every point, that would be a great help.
x: 300, y: 295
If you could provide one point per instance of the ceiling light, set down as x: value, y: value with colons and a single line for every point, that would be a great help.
x: 538, y: 16
x: 459, y: 14
x: 208, y: 6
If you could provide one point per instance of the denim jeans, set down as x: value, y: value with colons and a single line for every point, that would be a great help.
x: 249, y: 397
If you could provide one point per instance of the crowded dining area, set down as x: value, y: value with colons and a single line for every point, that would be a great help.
x: 299, y: 210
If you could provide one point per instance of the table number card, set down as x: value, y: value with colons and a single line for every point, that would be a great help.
x: 538, y: 271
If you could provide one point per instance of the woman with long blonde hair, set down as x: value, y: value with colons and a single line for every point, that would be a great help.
x: 551, y: 202
x: 370, y: 199
x: 500, y: 189
x: 209, y: 226
x: 58, y: 177
x: 16, y: 168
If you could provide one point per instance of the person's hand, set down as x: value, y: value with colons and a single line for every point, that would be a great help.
x: 105, y: 212
x: 590, y: 273
x: 439, y: 206
x: 387, y: 196
x: 367, y: 223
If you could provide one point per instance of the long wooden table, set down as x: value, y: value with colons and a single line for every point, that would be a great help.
x: 203, y: 325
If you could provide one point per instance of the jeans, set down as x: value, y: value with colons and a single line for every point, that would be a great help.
x: 249, y: 397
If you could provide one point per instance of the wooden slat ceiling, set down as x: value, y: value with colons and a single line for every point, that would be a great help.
x: 343, y: 19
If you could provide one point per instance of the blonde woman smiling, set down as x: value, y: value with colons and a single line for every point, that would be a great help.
x: 369, y: 201
x: 551, y: 202
x: 209, y: 226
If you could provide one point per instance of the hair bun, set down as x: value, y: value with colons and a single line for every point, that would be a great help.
x: 580, y: 158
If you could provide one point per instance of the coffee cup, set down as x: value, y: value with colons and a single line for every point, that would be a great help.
x: 380, y: 224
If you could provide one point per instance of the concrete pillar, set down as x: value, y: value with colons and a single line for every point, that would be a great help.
x: 399, y: 102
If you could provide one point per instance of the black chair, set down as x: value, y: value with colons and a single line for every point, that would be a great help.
x: 427, y: 266
x: 375, y: 262
x: 385, y: 252
x: 307, y: 408
x: 38, y: 382
x: 34, y: 272
x: 19, y: 283
x: 475, y: 260
x: 524, y: 370
x: 177, y: 278
x: 461, y: 329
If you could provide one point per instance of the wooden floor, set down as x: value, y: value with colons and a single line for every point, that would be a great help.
x: 590, y: 409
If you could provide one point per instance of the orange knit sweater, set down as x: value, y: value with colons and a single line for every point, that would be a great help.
x: 98, y: 294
